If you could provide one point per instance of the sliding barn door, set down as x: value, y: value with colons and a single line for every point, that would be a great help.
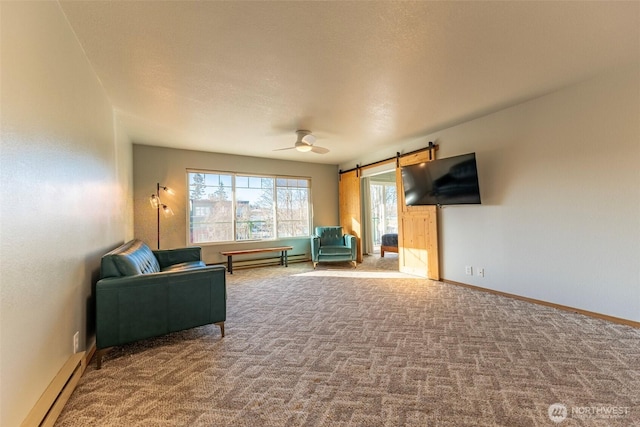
x: 350, y: 210
x: 417, y: 230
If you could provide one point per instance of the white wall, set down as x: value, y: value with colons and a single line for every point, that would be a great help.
x: 66, y: 199
x: 168, y: 167
x: 560, y: 186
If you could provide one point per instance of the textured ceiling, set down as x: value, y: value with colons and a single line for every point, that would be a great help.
x: 241, y: 77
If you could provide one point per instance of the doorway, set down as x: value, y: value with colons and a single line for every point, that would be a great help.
x: 380, y: 213
x: 417, y: 226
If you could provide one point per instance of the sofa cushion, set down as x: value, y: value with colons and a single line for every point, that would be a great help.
x: 183, y: 266
x: 135, y: 258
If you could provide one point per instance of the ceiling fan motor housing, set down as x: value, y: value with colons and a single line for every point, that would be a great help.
x: 306, y: 137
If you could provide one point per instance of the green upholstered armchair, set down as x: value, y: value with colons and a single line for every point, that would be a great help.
x: 143, y: 293
x: 330, y: 245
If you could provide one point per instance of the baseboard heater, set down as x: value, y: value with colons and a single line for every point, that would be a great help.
x: 49, y: 406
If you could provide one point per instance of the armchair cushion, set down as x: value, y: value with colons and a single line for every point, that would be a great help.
x: 330, y: 236
x: 334, y: 250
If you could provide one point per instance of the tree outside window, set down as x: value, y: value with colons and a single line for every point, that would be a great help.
x: 210, y: 207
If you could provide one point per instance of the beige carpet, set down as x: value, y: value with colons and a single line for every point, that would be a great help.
x: 368, y: 347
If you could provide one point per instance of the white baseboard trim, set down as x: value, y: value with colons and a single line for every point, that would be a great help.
x: 49, y: 406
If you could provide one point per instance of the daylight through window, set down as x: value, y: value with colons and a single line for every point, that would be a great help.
x: 226, y: 207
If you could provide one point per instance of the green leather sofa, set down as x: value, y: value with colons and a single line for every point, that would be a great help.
x: 143, y: 293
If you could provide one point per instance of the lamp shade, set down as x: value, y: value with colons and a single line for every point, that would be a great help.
x: 155, y: 201
x: 167, y: 211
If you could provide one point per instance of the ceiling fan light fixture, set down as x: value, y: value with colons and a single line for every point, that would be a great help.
x: 304, y: 143
x: 303, y: 147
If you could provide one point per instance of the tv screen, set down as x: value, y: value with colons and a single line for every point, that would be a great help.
x: 450, y: 181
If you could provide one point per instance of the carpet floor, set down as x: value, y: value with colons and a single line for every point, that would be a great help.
x: 338, y: 346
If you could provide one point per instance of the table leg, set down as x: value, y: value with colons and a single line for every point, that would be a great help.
x: 229, y: 264
x: 286, y: 261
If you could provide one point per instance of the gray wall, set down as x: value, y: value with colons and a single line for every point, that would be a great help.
x: 66, y: 199
x: 168, y: 167
x: 560, y: 185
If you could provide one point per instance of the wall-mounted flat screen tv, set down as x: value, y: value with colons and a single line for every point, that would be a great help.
x: 450, y: 181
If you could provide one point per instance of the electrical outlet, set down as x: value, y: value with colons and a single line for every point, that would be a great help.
x: 76, y: 341
x: 481, y: 272
x: 468, y: 270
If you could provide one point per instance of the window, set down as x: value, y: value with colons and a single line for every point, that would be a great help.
x: 225, y: 207
x: 254, y: 208
x: 292, y: 207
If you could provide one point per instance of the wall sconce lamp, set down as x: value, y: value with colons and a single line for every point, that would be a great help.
x: 157, y: 204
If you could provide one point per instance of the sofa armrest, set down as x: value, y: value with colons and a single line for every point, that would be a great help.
x: 351, y: 242
x: 315, y: 248
x: 169, y: 257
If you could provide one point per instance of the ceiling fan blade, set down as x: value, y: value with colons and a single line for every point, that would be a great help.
x: 309, y: 139
x: 282, y: 149
x: 319, y: 150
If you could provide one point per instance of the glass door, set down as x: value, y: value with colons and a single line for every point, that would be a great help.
x: 384, y: 209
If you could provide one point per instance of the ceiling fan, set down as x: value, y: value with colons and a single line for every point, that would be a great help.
x: 305, y: 142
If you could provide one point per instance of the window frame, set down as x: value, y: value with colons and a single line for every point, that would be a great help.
x: 233, y: 175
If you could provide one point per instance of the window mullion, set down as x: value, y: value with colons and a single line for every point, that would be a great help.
x: 274, y: 207
x: 233, y: 207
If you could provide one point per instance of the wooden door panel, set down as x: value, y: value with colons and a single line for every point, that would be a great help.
x: 418, y: 226
x: 414, y: 253
x: 350, y: 207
